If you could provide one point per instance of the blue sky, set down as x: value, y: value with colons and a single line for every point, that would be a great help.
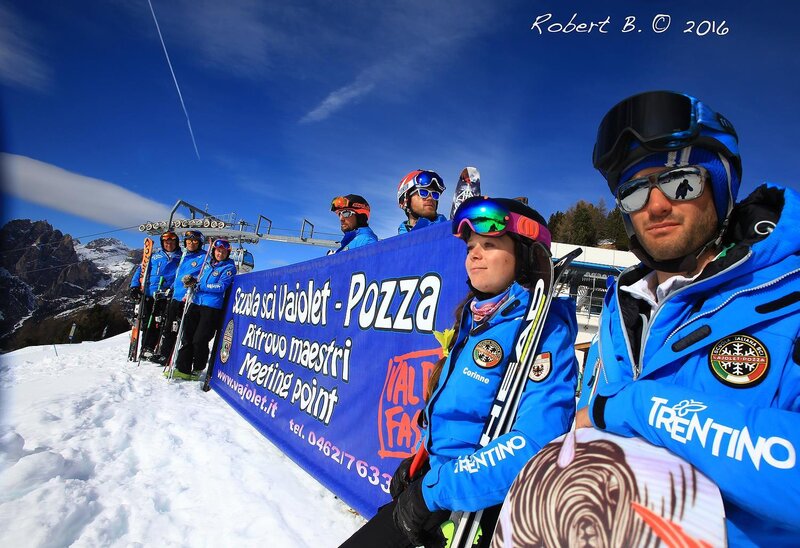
x: 292, y: 103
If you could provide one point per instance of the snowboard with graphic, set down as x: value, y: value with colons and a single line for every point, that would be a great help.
x: 592, y: 488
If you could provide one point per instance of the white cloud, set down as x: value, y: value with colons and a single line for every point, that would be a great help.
x: 402, y: 58
x: 20, y: 63
x: 337, y: 100
x: 94, y: 199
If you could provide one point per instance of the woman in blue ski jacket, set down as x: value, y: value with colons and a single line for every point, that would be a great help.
x: 205, y: 309
x: 698, y: 348
x: 507, y: 248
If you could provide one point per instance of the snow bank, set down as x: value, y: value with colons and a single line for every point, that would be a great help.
x: 95, y: 451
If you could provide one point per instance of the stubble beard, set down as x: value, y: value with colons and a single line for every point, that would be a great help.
x: 686, y: 243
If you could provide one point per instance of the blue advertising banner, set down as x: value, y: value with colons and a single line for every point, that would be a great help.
x: 329, y: 358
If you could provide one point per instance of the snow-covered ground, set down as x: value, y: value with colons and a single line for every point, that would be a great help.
x: 95, y: 451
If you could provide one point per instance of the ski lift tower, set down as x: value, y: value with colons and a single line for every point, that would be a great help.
x: 226, y: 226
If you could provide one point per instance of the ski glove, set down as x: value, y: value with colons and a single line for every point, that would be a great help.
x: 400, y: 479
x: 189, y: 281
x: 135, y: 293
x: 412, y: 517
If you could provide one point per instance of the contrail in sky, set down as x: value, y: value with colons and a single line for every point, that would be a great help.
x: 177, y: 87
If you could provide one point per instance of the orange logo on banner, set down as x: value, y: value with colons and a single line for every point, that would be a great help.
x: 402, y: 400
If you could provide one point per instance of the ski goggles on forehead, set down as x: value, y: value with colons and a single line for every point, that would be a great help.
x: 343, y: 202
x: 425, y: 193
x: 222, y: 244
x: 489, y: 218
x: 679, y: 184
x: 426, y: 179
x: 660, y: 121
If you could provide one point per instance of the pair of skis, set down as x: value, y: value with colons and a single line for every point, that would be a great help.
x: 144, y: 278
x: 504, y: 409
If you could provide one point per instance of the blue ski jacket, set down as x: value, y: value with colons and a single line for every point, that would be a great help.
x: 463, y: 477
x: 163, y: 265
x: 213, y: 283
x: 422, y: 222
x: 190, y: 264
x: 713, y: 374
x: 361, y: 236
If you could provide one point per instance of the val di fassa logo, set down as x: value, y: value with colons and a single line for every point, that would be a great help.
x: 684, y: 424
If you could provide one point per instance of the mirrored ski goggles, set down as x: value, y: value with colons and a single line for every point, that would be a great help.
x: 659, y: 120
x: 679, y: 184
x: 425, y: 193
x: 486, y: 217
x: 425, y: 179
x: 169, y: 236
x: 222, y: 244
x: 192, y: 235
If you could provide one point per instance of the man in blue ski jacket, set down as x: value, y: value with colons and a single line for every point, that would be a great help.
x: 418, y: 196
x: 162, y: 267
x: 698, y: 348
x: 353, y: 212
x: 203, y: 315
x: 190, y: 264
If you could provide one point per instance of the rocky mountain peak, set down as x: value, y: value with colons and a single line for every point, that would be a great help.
x: 51, y: 278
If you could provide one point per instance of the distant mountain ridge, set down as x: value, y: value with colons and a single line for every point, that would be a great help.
x: 53, y: 281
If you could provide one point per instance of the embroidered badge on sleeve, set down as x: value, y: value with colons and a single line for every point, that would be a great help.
x: 542, y: 365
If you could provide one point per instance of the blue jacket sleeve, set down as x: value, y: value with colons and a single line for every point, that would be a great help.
x: 546, y: 410
x: 587, y: 379
x: 136, y: 274
x: 749, y: 452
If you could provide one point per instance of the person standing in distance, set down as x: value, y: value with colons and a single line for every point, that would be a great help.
x: 163, y: 264
x: 203, y: 315
x: 353, y: 212
x: 418, y: 196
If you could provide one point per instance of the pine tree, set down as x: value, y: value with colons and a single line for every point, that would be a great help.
x: 615, y: 230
